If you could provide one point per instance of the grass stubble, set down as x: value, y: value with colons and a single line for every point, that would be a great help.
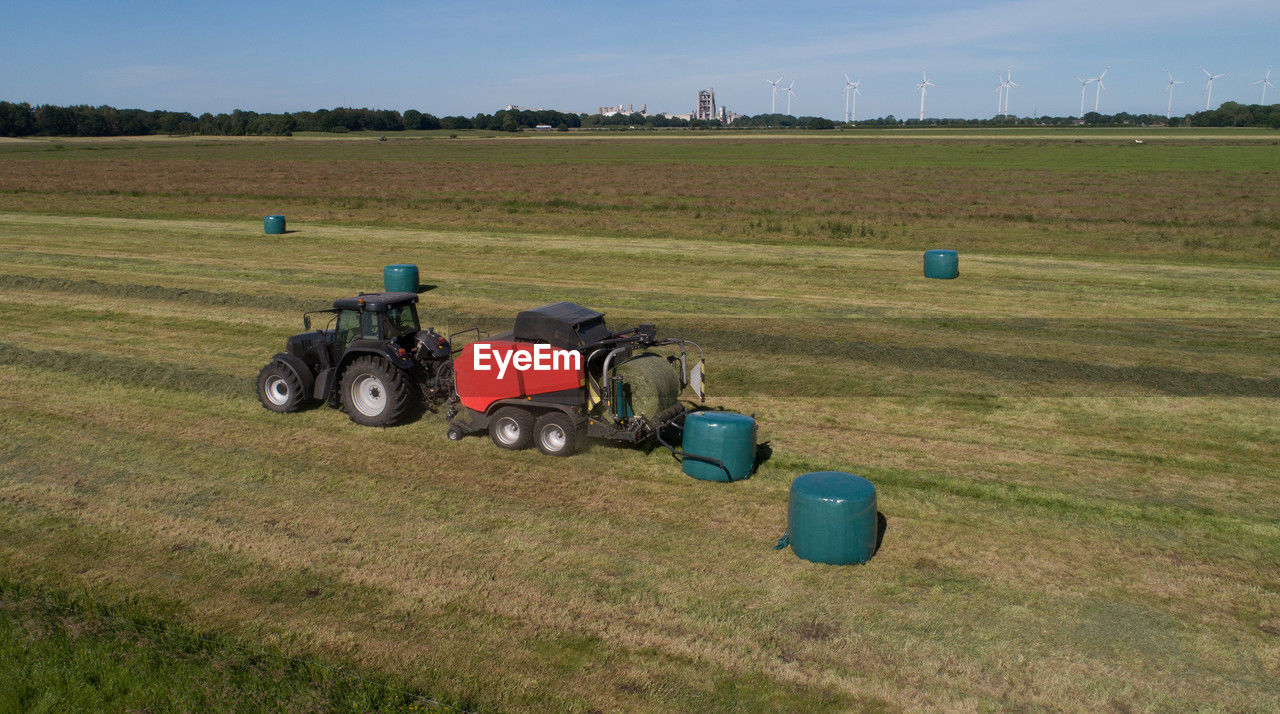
x: 1074, y: 443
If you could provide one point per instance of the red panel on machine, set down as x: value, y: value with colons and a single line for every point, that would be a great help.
x: 478, y: 367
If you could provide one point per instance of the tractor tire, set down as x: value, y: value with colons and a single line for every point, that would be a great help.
x: 375, y: 393
x: 511, y: 428
x: 280, y: 390
x: 555, y: 434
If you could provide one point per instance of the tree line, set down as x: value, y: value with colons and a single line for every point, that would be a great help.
x: 1235, y: 114
x: 22, y: 119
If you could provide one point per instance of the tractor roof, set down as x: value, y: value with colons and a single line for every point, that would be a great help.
x: 375, y: 302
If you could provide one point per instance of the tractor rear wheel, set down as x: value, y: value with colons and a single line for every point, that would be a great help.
x: 280, y: 390
x: 555, y: 434
x: 511, y: 428
x: 375, y: 393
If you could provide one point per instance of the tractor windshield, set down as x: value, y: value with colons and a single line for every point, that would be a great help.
x: 402, y: 320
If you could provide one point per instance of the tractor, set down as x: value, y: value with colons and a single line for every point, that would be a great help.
x: 558, y: 377
x: 372, y: 359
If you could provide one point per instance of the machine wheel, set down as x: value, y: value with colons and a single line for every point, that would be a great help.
x: 511, y: 428
x: 456, y: 433
x: 555, y: 434
x: 376, y: 394
x: 279, y: 389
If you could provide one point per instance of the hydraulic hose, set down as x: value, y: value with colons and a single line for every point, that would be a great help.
x: 680, y: 456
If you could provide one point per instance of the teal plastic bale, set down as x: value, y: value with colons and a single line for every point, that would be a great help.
x: 273, y: 225
x: 400, y: 278
x: 727, y: 436
x: 941, y: 264
x: 832, y: 518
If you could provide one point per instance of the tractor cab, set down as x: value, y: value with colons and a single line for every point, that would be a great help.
x: 371, y: 319
x: 376, y: 317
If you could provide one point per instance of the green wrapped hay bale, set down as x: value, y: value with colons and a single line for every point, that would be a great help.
x: 941, y: 264
x: 727, y: 437
x: 273, y: 225
x: 400, y: 278
x: 649, y: 386
x: 831, y: 518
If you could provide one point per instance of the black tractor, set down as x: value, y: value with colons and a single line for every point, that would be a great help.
x: 372, y: 359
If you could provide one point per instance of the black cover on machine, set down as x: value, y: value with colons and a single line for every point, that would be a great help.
x: 561, y: 324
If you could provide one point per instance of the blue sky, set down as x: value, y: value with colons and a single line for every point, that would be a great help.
x: 463, y: 58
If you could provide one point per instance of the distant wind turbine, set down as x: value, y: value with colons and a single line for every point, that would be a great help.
x: 1097, y: 97
x: 1208, y: 87
x: 790, y: 94
x: 1084, y: 85
x: 849, y: 87
x: 924, y: 89
x: 1000, y: 89
x: 1008, y: 84
x: 1265, y: 82
x: 773, y: 104
x: 1168, y: 111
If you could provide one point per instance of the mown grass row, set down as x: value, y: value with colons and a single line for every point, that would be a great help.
x: 143, y: 372
x: 800, y: 356
x: 1181, y: 331
x: 712, y: 278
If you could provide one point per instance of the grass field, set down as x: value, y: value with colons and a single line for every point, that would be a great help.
x: 1178, y: 199
x: 1075, y: 443
x: 66, y: 654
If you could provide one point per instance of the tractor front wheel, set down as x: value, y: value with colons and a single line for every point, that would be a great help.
x: 280, y: 390
x: 511, y: 428
x: 375, y: 393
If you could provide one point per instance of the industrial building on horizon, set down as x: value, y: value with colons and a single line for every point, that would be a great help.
x: 614, y: 111
x: 705, y: 109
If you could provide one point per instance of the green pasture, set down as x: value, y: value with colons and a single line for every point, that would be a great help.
x: 1075, y: 448
x: 1239, y: 150
x: 1205, y: 199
